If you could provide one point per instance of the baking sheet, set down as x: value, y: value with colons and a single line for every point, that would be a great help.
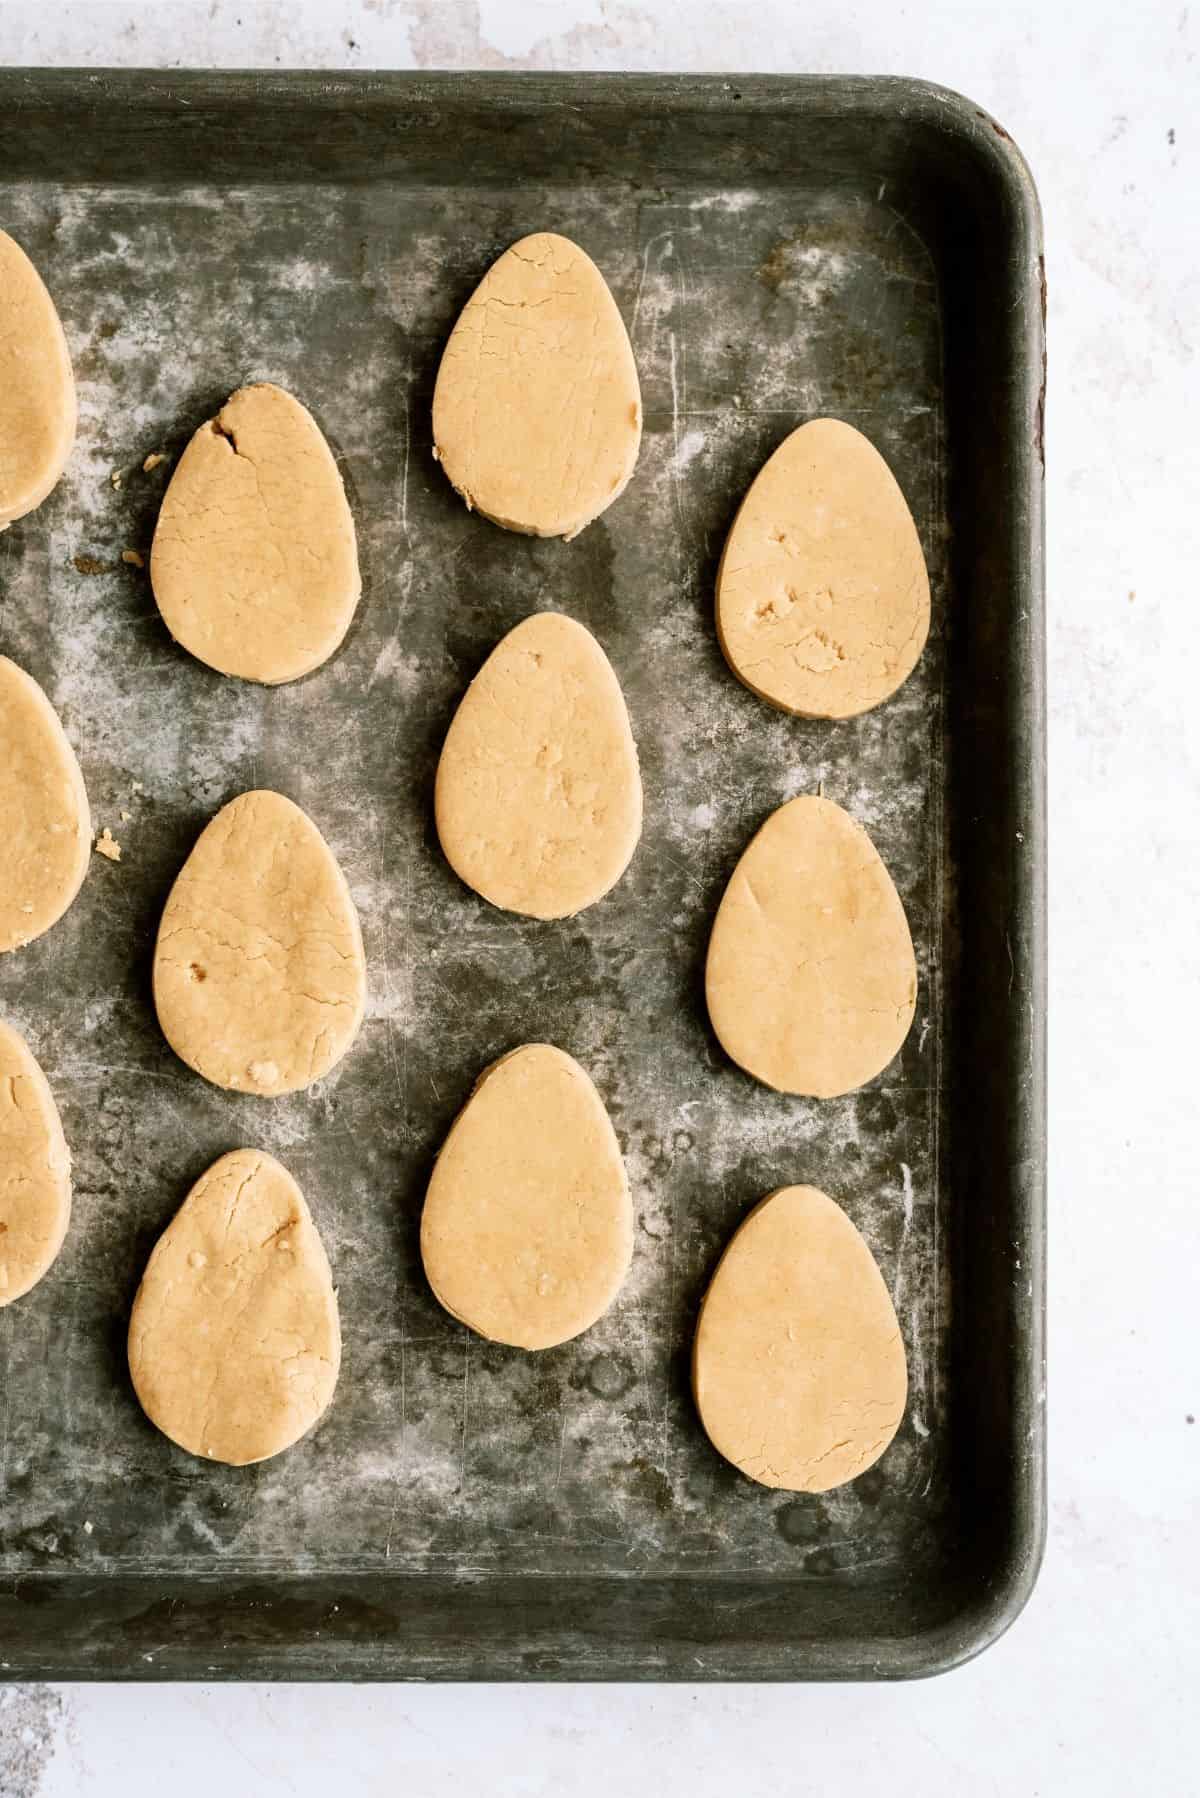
x: 751, y: 307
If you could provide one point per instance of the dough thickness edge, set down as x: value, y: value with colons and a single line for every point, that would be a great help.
x: 531, y: 530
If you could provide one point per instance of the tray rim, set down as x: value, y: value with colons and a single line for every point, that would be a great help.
x: 82, y: 1656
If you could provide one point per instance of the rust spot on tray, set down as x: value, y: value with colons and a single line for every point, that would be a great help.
x: 92, y: 565
x: 996, y: 126
x: 773, y: 270
x: 854, y: 232
x: 1039, y: 413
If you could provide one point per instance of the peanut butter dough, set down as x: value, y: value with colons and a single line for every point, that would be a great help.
x: 234, y: 1339
x: 798, y: 1367
x: 822, y: 593
x: 254, y: 562
x: 538, y: 797
x: 527, y: 1229
x: 37, y: 388
x: 259, y: 977
x: 811, y: 978
x: 537, y: 412
x: 44, y: 811
x: 35, y: 1170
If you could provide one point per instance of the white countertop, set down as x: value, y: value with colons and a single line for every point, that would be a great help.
x: 1092, y: 1690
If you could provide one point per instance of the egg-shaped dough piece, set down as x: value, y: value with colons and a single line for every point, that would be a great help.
x: 811, y: 978
x: 538, y: 796
x: 37, y: 387
x: 254, y: 562
x: 527, y: 1229
x: 234, y: 1338
x: 798, y: 1365
x: 537, y: 412
x: 35, y: 1170
x: 259, y: 976
x: 43, y: 810
x: 822, y: 592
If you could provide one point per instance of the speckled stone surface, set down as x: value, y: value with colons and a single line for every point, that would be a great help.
x: 749, y: 311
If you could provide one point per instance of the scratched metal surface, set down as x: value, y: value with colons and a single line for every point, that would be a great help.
x: 750, y: 311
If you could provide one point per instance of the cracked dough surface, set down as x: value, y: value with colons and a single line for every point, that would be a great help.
x: 811, y: 979
x: 254, y: 563
x: 537, y: 412
x: 527, y: 1229
x: 538, y: 799
x: 234, y: 1339
x: 35, y: 1170
x: 259, y: 975
x: 798, y: 1366
x: 44, y: 808
x: 37, y: 388
x: 822, y: 592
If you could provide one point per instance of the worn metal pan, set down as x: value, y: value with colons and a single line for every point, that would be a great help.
x: 781, y: 248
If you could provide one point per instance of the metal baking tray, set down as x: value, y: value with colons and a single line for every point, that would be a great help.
x: 780, y: 248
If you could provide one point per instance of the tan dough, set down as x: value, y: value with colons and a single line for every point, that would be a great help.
x: 254, y: 563
x: 798, y: 1366
x: 37, y: 388
x: 234, y: 1339
x: 822, y: 593
x: 811, y: 978
x: 44, y: 809
x: 538, y: 797
x: 527, y: 1229
x: 35, y: 1170
x: 537, y: 413
x: 259, y: 976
